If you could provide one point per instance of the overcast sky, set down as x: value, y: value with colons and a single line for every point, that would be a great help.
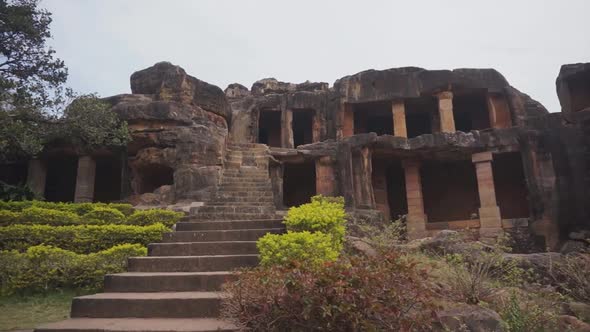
x: 104, y: 41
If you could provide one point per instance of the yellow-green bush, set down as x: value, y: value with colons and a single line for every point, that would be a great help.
x: 78, y: 238
x: 104, y: 215
x: 45, y: 268
x: 77, y: 208
x: 42, y: 216
x: 323, y: 214
x: 148, y: 217
x: 8, y: 217
x: 310, y: 249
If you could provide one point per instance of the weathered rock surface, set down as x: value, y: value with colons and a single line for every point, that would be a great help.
x: 469, y: 318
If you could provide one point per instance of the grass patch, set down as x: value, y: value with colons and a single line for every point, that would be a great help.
x: 27, y: 312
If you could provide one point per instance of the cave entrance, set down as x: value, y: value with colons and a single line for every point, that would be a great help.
x: 470, y: 111
x: 60, y: 184
x: 373, y: 117
x: 302, y: 127
x: 13, y: 174
x: 153, y: 176
x: 510, y: 185
x: 389, y: 187
x: 579, y: 90
x: 421, y: 114
x: 107, y: 184
x: 269, y: 128
x: 299, y: 183
x: 449, y: 190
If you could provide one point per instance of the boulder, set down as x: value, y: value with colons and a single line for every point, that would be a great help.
x: 468, y: 318
x: 580, y: 310
x: 571, y: 323
x: 236, y: 90
x: 359, y: 246
x: 572, y: 246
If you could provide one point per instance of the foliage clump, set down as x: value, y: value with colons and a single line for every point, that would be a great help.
x: 294, y: 247
x: 152, y: 216
x: 105, y: 215
x: 383, y: 293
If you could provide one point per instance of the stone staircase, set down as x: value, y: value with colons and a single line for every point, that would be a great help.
x: 177, y: 287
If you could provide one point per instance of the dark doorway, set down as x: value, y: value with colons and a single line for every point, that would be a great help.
x: 510, y: 185
x: 299, y: 183
x: 13, y: 174
x: 470, y: 112
x: 107, y: 185
x: 419, y: 115
x: 449, y: 190
x: 269, y: 128
x: 373, y: 118
x: 302, y: 127
x: 389, y: 186
x: 60, y: 185
x: 153, y: 177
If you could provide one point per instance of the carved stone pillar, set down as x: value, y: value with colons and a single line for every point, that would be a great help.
x: 36, y: 176
x: 362, y: 170
x: 489, y: 212
x: 85, y: 180
x: 445, y: 111
x: 346, y: 121
x: 324, y: 176
x: 416, y: 219
x: 287, y: 129
x: 316, y: 127
x: 399, y: 118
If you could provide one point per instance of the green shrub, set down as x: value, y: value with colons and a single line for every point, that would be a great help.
x: 8, y: 217
x: 45, y: 268
x: 572, y: 276
x: 321, y: 215
x: 152, y: 216
x: 15, y: 206
x: 41, y: 216
x: 77, y: 208
x: 104, y: 215
x: 382, y: 293
x: 126, y: 209
x: 78, y: 238
x: 524, y: 316
x: 305, y: 248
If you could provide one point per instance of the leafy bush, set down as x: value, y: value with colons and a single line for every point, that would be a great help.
x: 152, y: 216
x: 323, y: 214
x: 45, y: 268
x: 524, y: 316
x: 572, y: 276
x: 126, y: 209
x: 8, y: 217
x: 41, y: 216
x: 105, y: 215
x: 78, y: 238
x: 311, y: 249
x: 77, y: 208
x: 15, y: 192
x: 383, y: 293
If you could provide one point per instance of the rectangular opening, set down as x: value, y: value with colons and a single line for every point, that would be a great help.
x: 389, y: 187
x: 60, y: 185
x: 579, y: 86
x: 269, y: 128
x: 302, y: 127
x: 373, y: 118
x: 107, y: 183
x: 450, y: 190
x: 510, y: 185
x: 420, y: 113
x: 470, y: 111
x: 299, y: 183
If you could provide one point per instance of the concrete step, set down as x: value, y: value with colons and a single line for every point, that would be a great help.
x: 148, y: 305
x: 202, y: 248
x: 233, y: 216
x: 191, y: 263
x: 142, y: 282
x: 228, y: 225
x: 219, y: 235
x: 139, y: 325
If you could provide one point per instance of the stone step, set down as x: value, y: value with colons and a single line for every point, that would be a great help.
x: 219, y: 235
x: 233, y: 216
x: 191, y: 263
x: 244, y: 186
x: 202, y: 248
x: 148, y: 305
x: 143, y: 282
x: 244, y: 193
x: 139, y: 325
x: 264, y: 199
x: 233, y: 209
x: 227, y: 225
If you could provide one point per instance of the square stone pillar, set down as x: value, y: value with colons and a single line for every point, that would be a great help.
x: 316, y: 127
x: 85, y: 180
x: 324, y: 176
x: 36, y: 176
x: 287, y: 129
x: 416, y: 220
x: 445, y: 111
x: 346, y: 117
x: 399, y: 118
x: 362, y: 173
x: 489, y: 212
